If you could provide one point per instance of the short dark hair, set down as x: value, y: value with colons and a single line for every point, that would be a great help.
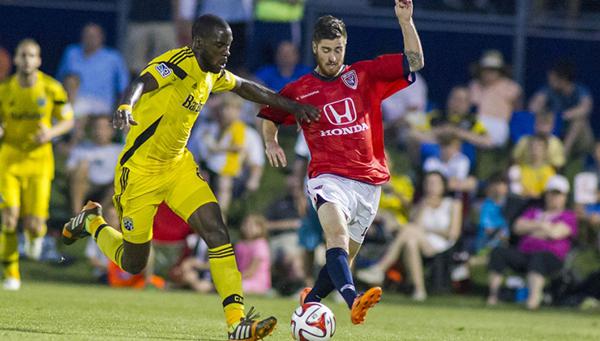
x: 329, y: 27
x: 205, y: 24
x: 498, y: 178
x: 564, y: 69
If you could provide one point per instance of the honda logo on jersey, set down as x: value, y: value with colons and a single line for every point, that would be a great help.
x: 340, y: 112
x: 350, y: 79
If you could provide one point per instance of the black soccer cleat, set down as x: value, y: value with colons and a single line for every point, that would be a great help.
x: 251, y: 329
x: 75, y: 229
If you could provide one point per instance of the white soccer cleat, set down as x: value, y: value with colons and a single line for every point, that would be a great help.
x: 12, y: 284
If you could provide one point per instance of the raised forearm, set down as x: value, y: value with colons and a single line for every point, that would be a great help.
x: 412, y: 45
x: 257, y: 93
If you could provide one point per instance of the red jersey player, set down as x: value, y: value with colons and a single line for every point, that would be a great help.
x: 347, y: 163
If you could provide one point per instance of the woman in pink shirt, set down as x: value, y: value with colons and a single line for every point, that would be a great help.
x: 253, y: 256
x: 543, y: 246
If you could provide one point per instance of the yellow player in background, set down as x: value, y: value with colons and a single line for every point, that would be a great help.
x: 30, y: 101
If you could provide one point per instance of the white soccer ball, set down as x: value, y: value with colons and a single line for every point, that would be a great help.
x: 313, y: 322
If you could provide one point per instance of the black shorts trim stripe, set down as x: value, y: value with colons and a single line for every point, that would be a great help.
x: 140, y: 140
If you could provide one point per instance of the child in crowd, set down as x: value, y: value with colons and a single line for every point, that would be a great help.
x: 253, y: 256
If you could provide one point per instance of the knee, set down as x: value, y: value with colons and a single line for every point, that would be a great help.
x: 9, y: 219
x: 215, y: 234
x: 34, y: 225
x: 134, y: 267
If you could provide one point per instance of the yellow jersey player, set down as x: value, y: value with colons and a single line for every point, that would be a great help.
x: 161, y: 106
x: 30, y: 101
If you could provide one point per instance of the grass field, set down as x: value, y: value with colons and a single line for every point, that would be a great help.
x: 59, y: 311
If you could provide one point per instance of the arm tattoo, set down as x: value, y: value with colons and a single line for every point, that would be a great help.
x: 415, y: 60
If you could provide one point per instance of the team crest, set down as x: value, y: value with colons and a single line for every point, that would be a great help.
x: 128, y: 223
x: 163, y: 70
x: 350, y: 79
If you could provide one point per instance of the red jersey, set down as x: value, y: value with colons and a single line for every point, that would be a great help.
x: 348, y: 138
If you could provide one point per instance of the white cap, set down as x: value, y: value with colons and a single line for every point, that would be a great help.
x: 558, y: 183
x: 492, y: 59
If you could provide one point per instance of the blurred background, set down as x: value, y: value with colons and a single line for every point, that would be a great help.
x: 503, y: 110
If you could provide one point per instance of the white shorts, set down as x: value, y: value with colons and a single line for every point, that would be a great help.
x: 358, y: 200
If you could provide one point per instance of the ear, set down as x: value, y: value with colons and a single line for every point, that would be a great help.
x: 314, y: 47
x: 197, y: 43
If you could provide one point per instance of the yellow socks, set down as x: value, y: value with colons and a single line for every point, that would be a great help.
x: 228, y: 282
x: 109, y: 240
x: 9, y: 253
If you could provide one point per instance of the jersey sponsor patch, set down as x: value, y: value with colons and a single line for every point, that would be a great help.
x: 340, y: 112
x: 350, y: 79
x: 163, y: 70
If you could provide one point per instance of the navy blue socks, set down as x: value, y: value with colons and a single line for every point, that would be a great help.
x: 323, y: 286
x: 340, y: 275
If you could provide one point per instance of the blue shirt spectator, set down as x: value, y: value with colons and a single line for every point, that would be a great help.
x: 286, y: 68
x: 493, y: 227
x: 102, y: 70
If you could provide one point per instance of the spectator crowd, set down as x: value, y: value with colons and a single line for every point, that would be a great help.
x: 489, y: 180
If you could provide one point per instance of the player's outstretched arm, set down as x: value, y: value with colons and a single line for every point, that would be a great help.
x: 122, y: 117
x: 257, y: 93
x: 275, y: 153
x: 412, y: 44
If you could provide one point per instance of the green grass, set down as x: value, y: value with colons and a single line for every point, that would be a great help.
x: 61, y: 311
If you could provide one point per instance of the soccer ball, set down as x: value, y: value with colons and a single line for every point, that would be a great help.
x: 313, y: 322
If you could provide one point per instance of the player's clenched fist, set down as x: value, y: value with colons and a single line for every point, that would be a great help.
x: 404, y: 9
x: 122, y: 117
x: 275, y: 154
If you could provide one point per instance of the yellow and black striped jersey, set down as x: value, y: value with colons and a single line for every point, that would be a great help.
x: 23, y: 113
x: 167, y: 114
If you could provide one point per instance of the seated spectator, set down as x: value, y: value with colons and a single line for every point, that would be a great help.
x: 283, y: 222
x: 396, y: 200
x: 193, y: 271
x: 529, y: 179
x: 544, y: 124
x: 252, y: 255
x: 225, y: 148
x: 102, y: 70
x: 544, y: 242
x: 287, y: 67
x: 150, y: 32
x: 435, y: 228
x: 452, y: 164
x: 571, y: 103
x: 91, y: 165
x: 587, y: 202
x: 493, y: 228
x: 495, y: 96
x: 404, y: 109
